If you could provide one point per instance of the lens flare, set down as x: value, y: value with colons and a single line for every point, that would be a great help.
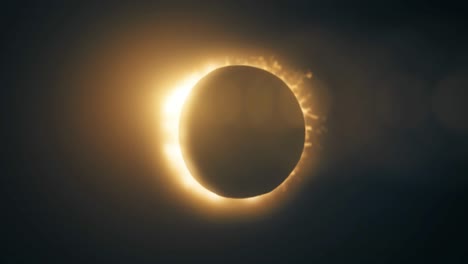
x: 172, y: 148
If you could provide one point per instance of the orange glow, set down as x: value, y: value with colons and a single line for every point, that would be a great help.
x: 171, y: 113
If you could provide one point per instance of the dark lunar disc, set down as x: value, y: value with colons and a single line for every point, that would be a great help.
x: 241, y: 131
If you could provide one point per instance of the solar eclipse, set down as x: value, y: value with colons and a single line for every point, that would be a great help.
x: 250, y: 115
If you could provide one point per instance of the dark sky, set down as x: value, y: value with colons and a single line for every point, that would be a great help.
x: 82, y: 183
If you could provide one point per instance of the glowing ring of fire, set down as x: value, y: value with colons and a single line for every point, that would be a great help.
x: 171, y: 118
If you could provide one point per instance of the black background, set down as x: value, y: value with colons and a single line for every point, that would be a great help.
x: 82, y: 183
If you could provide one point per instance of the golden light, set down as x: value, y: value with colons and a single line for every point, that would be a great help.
x: 171, y: 114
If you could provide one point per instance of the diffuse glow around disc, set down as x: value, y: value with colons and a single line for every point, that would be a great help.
x: 171, y: 114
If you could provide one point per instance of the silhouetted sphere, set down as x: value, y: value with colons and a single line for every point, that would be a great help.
x: 242, y: 131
